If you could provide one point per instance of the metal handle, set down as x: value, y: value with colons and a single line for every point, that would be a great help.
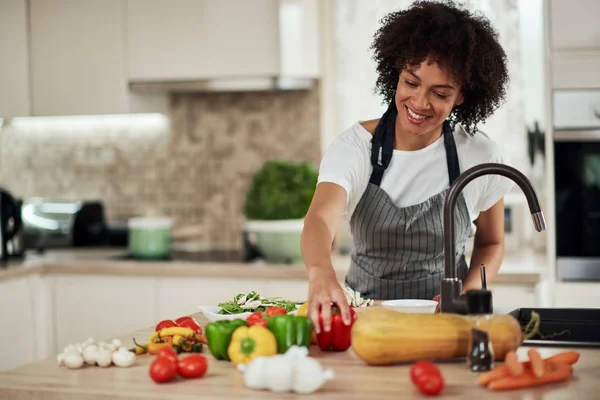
x: 483, y: 279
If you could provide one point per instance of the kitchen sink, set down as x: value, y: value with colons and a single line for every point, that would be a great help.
x: 562, y: 327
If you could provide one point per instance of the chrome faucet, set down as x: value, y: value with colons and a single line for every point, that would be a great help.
x: 451, y: 299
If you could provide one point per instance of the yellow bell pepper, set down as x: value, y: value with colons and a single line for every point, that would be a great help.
x: 248, y: 343
x: 303, y: 312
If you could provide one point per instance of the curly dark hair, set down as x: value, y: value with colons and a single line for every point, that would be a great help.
x: 461, y: 42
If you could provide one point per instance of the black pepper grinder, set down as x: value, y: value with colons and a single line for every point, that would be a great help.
x: 481, y: 353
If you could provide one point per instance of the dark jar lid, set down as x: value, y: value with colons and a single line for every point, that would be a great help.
x: 479, y: 301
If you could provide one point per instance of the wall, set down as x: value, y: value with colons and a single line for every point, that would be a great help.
x: 194, y: 166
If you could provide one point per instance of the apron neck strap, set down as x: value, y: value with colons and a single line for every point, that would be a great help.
x: 382, y: 146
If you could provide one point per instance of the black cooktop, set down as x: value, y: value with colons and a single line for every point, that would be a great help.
x: 226, y: 255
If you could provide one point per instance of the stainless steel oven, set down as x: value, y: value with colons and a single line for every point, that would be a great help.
x: 576, y: 120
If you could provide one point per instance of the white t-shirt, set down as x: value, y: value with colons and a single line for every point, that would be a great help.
x: 413, y: 176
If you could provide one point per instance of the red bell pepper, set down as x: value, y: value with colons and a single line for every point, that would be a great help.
x: 338, y: 338
x: 257, y: 318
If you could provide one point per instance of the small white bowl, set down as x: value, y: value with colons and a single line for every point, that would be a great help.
x: 411, y: 306
x: 212, y: 314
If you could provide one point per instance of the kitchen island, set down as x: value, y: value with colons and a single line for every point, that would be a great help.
x: 62, y: 295
x: 353, y: 380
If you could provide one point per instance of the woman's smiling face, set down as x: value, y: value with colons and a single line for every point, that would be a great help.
x: 425, y: 96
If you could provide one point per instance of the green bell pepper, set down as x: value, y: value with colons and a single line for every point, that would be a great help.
x: 218, y: 335
x: 290, y: 330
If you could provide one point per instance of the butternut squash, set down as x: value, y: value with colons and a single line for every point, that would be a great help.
x: 381, y: 336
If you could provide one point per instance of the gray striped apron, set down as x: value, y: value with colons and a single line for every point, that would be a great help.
x: 399, y: 251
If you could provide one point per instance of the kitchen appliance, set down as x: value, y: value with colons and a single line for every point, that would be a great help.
x: 150, y: 238
x: 576, y: 141
x: 11, y: 228
x: 51, y: 223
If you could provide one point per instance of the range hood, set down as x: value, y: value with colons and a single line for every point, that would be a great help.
x: 287, y: 37
x: 232, y: 84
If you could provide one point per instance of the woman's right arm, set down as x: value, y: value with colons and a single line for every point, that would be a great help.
x: 320, y: 225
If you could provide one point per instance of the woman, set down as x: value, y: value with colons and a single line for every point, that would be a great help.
x: 442, y: 71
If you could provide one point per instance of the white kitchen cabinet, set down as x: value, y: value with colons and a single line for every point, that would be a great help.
x: 187, y: 40
x: 101, y: 307
x: 577, y: 295
x: 508, y: 297
x: 575, y: 70
x: 182, y: 296
x: 78, y: 60
x: 190, y: 39
x: 17, y: 330
x: 14, y: 68
x: 574, y: 25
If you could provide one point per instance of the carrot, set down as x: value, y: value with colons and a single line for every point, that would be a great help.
x: 512, y: 362
x: 502, y: 371
x: 537, y: 364
x: 556, y: 373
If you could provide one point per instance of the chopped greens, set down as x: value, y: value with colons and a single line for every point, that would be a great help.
x: 251, y: 302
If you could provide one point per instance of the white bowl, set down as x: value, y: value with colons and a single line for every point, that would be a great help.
x: 411, y: 306
x: 212, y: 314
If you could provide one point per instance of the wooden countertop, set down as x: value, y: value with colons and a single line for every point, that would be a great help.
x: 353, y: 380
x: 522, y: 268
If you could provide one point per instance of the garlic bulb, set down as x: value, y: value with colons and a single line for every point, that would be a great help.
x: 309, y: 376
x: 292, y: 371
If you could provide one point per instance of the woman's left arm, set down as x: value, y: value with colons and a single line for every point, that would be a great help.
x: 488, y: 247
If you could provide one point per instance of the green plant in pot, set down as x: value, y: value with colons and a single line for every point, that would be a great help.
x: 276, y: 203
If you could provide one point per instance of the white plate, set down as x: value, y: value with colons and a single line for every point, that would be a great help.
x: 212, y: 313
x: 411, y: 306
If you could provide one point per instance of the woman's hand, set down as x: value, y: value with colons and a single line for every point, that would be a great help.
x: 437, y: 298
x: 324, y: 289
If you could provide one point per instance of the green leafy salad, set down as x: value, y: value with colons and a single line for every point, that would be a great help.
x: 252, y: 302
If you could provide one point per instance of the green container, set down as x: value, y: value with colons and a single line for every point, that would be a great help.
x: 278, y: 240
x: 150, y: 238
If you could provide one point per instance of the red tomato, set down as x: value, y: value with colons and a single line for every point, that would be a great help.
x: 427, y: 377
x: 275, y: 310
x: 192, y: 324
x: 167, y: 352
x: 192, y: 366
x: 162, y: 370
x: 167, y: 323
x: 430, y: 384
x: 182, y: 319
x: 256, y: 318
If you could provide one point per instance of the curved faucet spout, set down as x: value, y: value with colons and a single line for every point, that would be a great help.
x: 450, y: 300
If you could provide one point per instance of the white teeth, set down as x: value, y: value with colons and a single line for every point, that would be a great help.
x: 416, y: 116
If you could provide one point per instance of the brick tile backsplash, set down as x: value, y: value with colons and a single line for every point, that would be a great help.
x: 196, y: 169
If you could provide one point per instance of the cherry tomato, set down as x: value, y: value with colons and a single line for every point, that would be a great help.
x: 427, y: 377
x: 167, y: 352
x: 430, y: 384
x: 162, y: 369
x: 182, y: 319
x: 192, y: 366
x: 275, y: 310
x: 257, y: 318
x: 192, y: 324
x: 167, y: 323
x: 419, y: 368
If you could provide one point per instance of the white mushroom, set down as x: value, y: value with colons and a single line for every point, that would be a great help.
x: 90, y: 354
x: 104, y: 357
x: 73, y: 360
x: 123, y: 357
